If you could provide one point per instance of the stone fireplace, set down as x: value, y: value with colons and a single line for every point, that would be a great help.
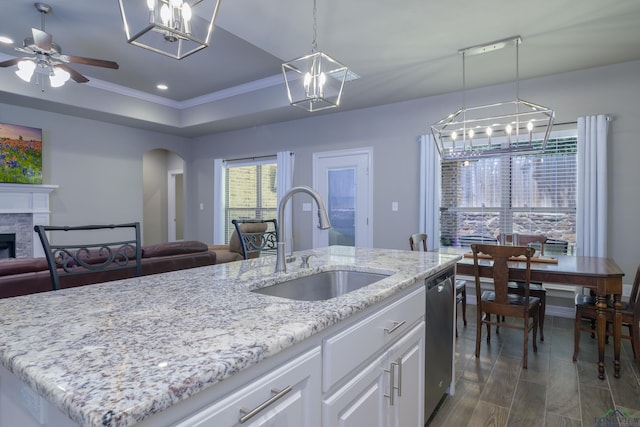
x: 22, y: 206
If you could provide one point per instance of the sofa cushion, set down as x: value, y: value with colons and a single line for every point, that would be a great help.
x: 173, y: 248
x: 22, y: 265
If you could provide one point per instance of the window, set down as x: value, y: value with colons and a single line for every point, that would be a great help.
x: 527, y: 194
x: 250, y: 191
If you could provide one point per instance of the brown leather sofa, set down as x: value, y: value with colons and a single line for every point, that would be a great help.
x: 23, y: 276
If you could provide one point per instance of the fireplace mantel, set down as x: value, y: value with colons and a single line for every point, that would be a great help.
x: 27, y: 199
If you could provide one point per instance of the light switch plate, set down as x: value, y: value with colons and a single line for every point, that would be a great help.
x: 394, y: 206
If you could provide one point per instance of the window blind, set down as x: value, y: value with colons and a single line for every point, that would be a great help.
x: 526, y: 194
x: 251, y: 191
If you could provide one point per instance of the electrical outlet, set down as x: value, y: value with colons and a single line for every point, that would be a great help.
x: 306, y: 207
x: 394, y: 206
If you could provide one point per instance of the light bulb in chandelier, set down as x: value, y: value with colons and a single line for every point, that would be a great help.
x: 530, y: 129
x: 307, y: 82
x: 165, y: 15
x: 186, y: 17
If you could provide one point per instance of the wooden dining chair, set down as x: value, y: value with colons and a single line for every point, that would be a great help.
x: 461, y: 285
x: 586, y: 309
x: 502, y: 303
x: 537, y: 241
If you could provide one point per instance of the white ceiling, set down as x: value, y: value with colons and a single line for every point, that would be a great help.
x: 401, y: 50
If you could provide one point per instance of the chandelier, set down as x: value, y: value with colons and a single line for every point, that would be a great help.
x: 315, y: 81
x: 508, y: 127
x: 174, y: 28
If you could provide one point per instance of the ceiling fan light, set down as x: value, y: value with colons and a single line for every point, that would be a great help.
x: 25, y: 70
x: 59, y: 77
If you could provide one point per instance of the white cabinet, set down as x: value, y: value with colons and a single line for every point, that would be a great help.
x: 286, y: 397
x: 347, y: 350
x: 386, y: 392
x: 408, y: 355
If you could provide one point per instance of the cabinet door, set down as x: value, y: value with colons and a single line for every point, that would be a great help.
x: 407, y: 358
x: 287, y: 397
x: 366, y: 401
x: 360, y: 402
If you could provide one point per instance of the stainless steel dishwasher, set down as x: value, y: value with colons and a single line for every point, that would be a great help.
x: 439, y: 338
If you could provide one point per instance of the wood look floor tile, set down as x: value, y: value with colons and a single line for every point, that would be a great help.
x: 595, y: 402
x: 456, y: 410
x: 559, y: 323
x: 501, y: 384
x: 538, y: 369
x: 555, y: 420
x: 528, y: 408
x: 588, y: 374
x: 626, y: 389
x: 487, y: 414
x: 562, y: 389
x: 494, y: 390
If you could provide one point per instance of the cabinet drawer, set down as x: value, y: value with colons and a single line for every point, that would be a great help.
x: 289, y: 397
x: 348, y: 349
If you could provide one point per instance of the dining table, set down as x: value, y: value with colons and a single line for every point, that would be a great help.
x: 602, y: 275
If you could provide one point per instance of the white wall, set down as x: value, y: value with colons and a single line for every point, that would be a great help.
x: 393, y: 130
x: 98, y: 166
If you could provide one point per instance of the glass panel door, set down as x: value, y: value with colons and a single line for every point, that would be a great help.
x: 342, y: 206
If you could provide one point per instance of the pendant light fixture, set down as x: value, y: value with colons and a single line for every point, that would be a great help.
x: 503, y: 128
x: 315, y: 81
x: 174, y: 28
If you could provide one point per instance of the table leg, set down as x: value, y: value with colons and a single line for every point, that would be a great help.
x: 617, y: 327
x: 601, y: 331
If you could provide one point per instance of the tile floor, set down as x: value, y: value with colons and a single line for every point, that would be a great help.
x: 494, y: 390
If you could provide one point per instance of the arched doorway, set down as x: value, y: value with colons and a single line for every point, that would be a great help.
x: 163, y: 190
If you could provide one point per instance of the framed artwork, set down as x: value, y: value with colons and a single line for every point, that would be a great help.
x: 20, y: 154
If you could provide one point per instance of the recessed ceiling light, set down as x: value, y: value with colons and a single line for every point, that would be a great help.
x: 162, y: 86
x: 4, y: 39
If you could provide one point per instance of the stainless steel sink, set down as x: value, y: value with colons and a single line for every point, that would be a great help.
x: 322, y: 286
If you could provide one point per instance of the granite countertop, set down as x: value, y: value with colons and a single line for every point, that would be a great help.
x: 124, y: 350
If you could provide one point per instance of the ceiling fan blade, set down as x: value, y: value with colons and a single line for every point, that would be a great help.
x: 76, y: 76
x: 89, y: 61
x: 10, y: 62
x: 42, y: 39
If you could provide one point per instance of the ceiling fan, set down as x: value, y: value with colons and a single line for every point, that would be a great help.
x: 47, y: 58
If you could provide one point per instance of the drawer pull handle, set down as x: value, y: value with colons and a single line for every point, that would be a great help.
x: 248, y: 414
x: 396, y: 325
x: 399, y: 388
x: 392, y: 380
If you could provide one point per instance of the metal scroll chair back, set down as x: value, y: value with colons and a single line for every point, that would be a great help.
x: 256, y: 236
x: 90, y: 256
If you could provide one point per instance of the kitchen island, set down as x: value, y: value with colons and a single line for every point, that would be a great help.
x: 128, y: 352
